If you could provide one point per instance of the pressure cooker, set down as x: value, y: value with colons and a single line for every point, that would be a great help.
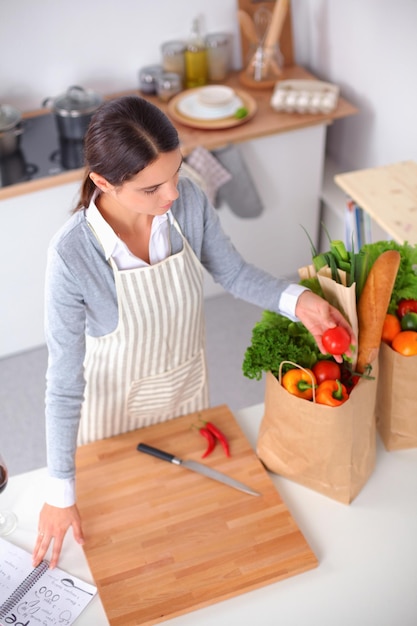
x: 11, y: 129
x: 73, y: 111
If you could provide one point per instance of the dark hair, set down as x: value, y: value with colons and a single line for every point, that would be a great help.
x: 124, y: 136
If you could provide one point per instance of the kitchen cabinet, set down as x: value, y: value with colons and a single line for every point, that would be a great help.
x: 27, y: 223
x: 285, y: 156
x: 388, y: 194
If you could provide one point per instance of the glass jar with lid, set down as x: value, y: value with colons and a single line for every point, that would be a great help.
x: 218, y: 56
x: 168, y: 84
x: 147, y: 78
x: 173, y: 57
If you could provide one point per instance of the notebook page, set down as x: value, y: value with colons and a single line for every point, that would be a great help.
x: 37, y: 596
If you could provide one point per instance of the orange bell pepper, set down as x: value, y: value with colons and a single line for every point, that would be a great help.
x: 331, y: 392
x: 299, y: 382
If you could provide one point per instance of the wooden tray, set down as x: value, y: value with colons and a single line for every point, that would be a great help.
x: 162, y: 541
x: 225, y: 122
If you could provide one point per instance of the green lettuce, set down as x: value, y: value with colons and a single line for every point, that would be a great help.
x: 275, y: 338
x: 405, y: 285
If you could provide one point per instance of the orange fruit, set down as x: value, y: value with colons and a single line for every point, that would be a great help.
x: 405, y: 342
x: 391, y: 328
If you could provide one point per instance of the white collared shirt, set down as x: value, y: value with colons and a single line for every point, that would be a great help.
x: 159, y: 244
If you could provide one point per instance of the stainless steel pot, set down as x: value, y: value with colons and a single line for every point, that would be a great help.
x: 14, y: 169
x: 70, y: 154
x: 10, y: 130
x: 73, y: 111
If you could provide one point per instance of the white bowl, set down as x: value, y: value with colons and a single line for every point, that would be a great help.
x: 215, y: 95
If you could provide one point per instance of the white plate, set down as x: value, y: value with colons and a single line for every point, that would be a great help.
x: 191, y: 106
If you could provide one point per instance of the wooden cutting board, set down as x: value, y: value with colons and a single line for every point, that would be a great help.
x: 162, y: 541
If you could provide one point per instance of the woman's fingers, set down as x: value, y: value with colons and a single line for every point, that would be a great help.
x: 53, y: 525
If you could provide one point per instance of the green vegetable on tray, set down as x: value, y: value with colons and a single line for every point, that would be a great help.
x: 241, y: 112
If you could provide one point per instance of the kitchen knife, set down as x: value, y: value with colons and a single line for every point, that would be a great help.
x: 197, y: 467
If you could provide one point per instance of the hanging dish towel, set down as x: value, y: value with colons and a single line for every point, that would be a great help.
x: 213, y: 173
x: 192, y: 174
x: 240, y: 192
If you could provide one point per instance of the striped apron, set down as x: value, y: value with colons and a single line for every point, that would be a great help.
x: 152, y: 367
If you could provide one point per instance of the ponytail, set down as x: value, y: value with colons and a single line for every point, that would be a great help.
x: 86, y: 192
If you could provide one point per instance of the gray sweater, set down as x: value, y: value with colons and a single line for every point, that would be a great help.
x: 80, y: 299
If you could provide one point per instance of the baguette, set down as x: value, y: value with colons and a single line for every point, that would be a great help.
x: 373, y: 305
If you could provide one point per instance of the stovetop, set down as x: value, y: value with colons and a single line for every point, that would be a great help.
x: 42, y: 153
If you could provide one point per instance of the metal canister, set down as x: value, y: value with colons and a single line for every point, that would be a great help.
x: 218, y: 56
x: 167, y: 85
x: 173, y: 57
x: 147, y: 78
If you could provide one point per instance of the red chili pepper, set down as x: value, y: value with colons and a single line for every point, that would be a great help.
x: 211, y: 441
x: 219, y: 435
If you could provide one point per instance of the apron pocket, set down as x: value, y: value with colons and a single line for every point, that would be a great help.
x: 160, y: 397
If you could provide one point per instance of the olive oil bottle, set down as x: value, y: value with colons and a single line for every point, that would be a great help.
x: 196, y: 67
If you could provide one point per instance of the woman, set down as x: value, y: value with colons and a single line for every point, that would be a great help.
x: 124, y: 298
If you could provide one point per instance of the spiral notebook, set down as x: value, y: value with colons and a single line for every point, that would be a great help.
x: 37, y: 596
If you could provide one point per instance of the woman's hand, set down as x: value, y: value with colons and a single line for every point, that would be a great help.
x: 53, y: 524
x: 318, y: 315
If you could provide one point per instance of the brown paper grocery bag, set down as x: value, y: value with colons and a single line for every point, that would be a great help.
x: 329, y: 449
x: 397, y: 399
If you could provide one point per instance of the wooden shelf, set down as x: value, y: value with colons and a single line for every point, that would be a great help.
x: 389, y: 195
x: 265, y: 122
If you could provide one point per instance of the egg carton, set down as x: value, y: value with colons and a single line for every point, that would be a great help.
x: 304, y: 96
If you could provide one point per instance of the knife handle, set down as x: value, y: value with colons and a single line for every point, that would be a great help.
x: 160, y: 454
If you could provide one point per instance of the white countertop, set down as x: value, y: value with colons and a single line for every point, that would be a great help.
x: 367, y: 551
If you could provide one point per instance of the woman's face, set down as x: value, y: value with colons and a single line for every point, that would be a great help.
x: 152, y: 191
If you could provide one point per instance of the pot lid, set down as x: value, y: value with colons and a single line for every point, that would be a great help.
x: 77, y: 101
x: 9, y: 117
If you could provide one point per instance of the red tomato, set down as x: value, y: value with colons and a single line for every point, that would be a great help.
x: 406, y: 306
x: 336, y: 340
x: 349, y: 378
x: 326, y: 370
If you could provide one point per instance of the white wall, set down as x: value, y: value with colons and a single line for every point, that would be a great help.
x: 48, y: 45
x: 369, y: 48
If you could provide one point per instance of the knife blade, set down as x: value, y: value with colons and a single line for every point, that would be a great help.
x: 194, y: 466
